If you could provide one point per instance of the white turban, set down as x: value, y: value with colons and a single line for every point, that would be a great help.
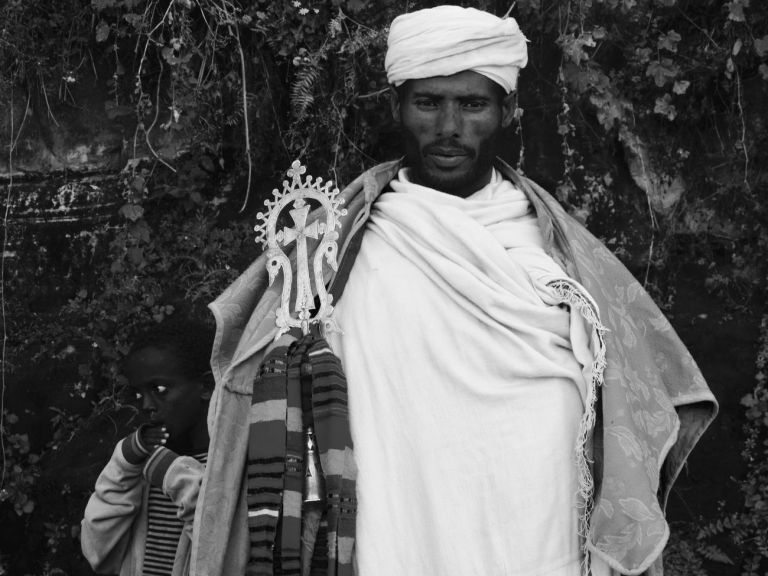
x: 445, y: 40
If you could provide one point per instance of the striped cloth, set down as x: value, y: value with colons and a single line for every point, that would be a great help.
x: 163, y: 530
x: 285, y: 537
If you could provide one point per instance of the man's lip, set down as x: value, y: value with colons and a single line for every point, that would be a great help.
x: 446, y: 161
x: 446, y: 152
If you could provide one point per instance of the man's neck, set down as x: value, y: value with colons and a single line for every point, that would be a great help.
x: 460, y: 191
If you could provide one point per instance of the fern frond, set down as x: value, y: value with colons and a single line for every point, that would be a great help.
x: 302, y: 91
x: 715, y: 554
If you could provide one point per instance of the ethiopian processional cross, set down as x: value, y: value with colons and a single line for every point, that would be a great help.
x: 315, y: 213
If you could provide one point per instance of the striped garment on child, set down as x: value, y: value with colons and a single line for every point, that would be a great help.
x: 163, y: 531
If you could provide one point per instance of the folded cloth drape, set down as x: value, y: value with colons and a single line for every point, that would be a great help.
x: 465, y: 394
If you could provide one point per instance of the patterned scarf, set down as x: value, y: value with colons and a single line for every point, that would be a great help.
x: 299, y: 385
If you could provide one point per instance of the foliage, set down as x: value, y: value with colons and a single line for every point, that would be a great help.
x: 747, y: 529
x: 21, y: 468
x: 673, y: 103
x: 656, y: 107
x: 684, y: 555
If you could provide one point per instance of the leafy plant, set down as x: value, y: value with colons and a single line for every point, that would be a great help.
x: 20, y: 468
x: 656, y: 107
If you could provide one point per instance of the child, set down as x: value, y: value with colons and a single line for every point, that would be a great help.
x: 139, y: 519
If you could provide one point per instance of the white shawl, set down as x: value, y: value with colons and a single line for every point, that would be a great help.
x: 466, y: 389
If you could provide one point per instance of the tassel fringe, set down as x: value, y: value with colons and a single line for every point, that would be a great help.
x: 576, y: 296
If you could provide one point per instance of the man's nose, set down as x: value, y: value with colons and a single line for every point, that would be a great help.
x: 148, y: 404
x: 449, y: 121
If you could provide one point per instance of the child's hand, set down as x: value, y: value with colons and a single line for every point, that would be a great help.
x: 153, y: 436
x: 146, y: 439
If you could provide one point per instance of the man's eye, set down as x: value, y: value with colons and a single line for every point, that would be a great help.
x: 474, y: 104
x: 160, y: 389
x: 138, y: 395
x: 425, y: 103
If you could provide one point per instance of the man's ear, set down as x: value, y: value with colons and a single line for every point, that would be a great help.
x: 394, y: 103
x: 207, y: 384
x: 508, y: 107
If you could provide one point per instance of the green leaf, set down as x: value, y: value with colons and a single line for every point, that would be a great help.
x: 132, y: 212
x: 748, y: 400
x: 598, y: 33
x: 662, y: 71
x: 139, y: 184
x: 609, y: 107
x: 669, y: 41
x: 140, y: 230
x: 136, y: 256
x: 102, y: 31
x: 664, y: 107
x: 573, y: 47
x: 643, y: 55
x: 761, y: 46
x: 100, y: 5
x: 528, y: 6
x: 355, y: 5
x: 681, y: 86
x: 135, y: 20
x: 736, y: 10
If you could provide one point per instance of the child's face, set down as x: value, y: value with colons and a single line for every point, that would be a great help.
x: 167, y: 395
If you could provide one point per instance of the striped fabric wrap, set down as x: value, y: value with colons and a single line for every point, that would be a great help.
x: 290, y: 518
x: 299, y: 385
x: 266, y: 460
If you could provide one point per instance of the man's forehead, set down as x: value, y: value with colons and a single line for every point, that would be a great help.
x: 467, y: 83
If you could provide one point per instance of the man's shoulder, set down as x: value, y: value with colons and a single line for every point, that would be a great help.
x: 513, y: 175
x: 374, y: 180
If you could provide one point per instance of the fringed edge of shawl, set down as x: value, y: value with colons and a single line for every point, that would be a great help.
x: 575, y: 295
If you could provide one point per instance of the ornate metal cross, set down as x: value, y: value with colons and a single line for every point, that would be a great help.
x: 317, y: 225
x: 304, y: 300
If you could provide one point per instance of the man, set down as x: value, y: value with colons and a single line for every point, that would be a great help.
x: 517, y: 404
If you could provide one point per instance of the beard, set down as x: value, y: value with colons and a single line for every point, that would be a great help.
x: 461, y: 182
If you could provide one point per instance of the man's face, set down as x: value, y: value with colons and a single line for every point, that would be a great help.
x: 451, y: 129
x: 166, y: 393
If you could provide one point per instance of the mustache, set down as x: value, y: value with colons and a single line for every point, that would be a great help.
x: 448, y: 147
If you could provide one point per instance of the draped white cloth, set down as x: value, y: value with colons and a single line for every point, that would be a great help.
x: 444, y: 40
x: 466, y: 387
